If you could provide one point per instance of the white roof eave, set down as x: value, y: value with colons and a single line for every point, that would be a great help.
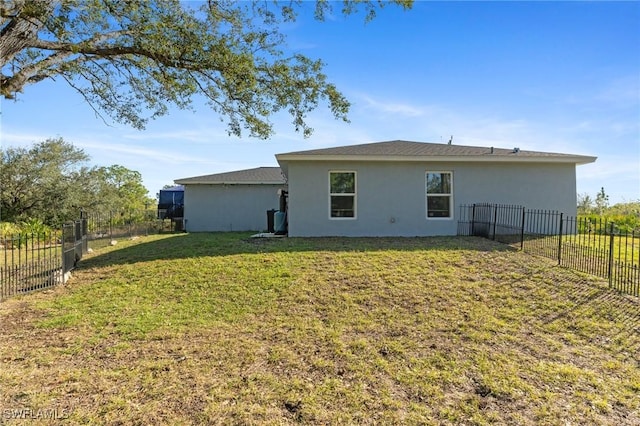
x: 489, y: 158
x: 204, y: 182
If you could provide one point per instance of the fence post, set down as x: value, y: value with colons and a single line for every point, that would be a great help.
x: 473, y: 220
x: 69, y: 246
x: 495, y: 220
x: 62, y: 250
x: 611, y: 245
x: 522, y: 230
x: 560, y: 240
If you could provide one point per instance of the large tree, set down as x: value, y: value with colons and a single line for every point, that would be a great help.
x: 131, y: 59
x: 37, y: 182
x: 116, y: 188
x: 51, y: 182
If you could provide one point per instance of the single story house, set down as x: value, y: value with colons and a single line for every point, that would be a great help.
x: 397, y: 188
x: 232, y: 201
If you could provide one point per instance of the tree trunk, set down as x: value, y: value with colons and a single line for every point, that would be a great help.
x: 21, y: 22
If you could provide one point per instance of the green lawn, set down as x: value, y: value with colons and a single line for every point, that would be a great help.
x: 27, y: 253
x: 626, y: 248
x: 222, y: 329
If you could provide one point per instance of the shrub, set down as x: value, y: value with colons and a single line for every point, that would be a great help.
x: 7, y: 230
x: 34, y: 227
x: 600, y: 225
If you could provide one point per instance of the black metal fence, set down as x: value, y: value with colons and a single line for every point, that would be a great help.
x: 36, y: 261
x: 594, y: 246
x: 74, y: 243
x: 31, y: 262
x: 104, y: 227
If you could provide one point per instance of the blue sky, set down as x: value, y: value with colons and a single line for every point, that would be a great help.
x: 547, y: 76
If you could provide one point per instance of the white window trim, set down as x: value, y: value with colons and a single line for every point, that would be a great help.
x: 426, y: 195
x: 354, y: 195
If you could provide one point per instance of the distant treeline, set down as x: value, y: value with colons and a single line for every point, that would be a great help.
x: 625, y: 216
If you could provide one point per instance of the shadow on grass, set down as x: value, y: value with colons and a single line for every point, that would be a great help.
x: 595, y: 299
x: 588, y: 298
x: 182, y: 246
x: 611, y: 305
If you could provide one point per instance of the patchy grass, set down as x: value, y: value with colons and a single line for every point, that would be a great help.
x: 217, y: 328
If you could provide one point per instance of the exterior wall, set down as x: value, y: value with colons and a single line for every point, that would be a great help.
x: 209, y: 208
x: 391, y: 197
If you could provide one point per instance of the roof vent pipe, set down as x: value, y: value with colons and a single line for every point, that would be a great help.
x: 492, y: 150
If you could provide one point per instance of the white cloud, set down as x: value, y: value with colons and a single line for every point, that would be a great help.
x: 21, y: 139
x: 140, y: 153
x: 619, y: 167
x: 391, y: 107
x: 184, y: 135
x: 622, y: 92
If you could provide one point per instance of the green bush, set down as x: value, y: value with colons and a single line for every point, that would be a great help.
x: 600, y: 225
x: 31, y: 230
x: 34, y: 227
x: 626, y: 223
x: 7, y: 230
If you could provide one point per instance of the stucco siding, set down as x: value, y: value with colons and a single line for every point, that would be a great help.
x: 209, y: 208
x: 391, y: 200
x: 534, y: 186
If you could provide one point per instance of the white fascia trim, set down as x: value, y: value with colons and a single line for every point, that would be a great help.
x: 489, y: 158
x: 191, y: 182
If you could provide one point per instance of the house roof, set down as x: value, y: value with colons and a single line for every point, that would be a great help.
x: 399, y: 150
x: 257, y: 176
x: 176, y: 188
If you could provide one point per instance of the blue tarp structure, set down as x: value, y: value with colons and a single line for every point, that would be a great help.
x: 171, y: 202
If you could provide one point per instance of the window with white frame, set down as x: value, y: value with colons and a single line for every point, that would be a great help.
x: 439, y: 194
x: 342, y: 195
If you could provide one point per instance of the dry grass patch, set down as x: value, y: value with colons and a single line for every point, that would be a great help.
x: 217, y: 328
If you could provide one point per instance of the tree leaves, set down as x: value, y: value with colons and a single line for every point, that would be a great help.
x: 50, y: 182
x: 131, y: 59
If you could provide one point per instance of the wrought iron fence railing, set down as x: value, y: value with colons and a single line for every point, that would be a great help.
x: 36, y: 261
x: 30, y: 262
x: 594, y: 246
x: 103, y: 227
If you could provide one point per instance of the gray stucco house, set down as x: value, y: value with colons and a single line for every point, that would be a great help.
x: 232, y: 201
x: 402, y: 188
x: 395, y: 188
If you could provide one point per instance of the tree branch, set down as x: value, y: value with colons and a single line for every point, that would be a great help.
x: 21, y: 27
x: 86, y: 98
x: 31, y: 74
x: 137, y: 57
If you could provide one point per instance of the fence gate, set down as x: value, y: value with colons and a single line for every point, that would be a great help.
x: 74, y: 243
x: 34, y: 261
